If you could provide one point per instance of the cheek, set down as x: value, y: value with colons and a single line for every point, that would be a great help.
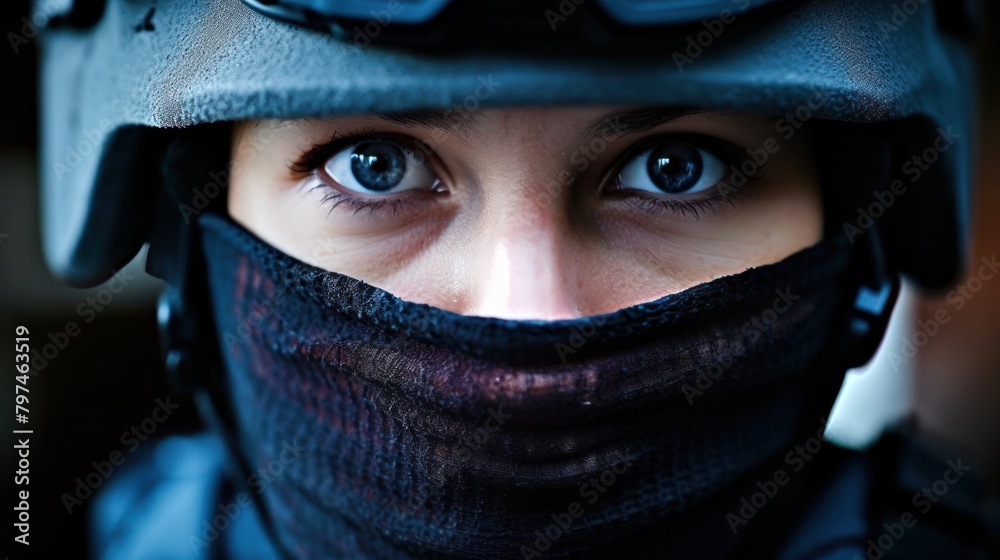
x: 766, y: 222
x: 649, y: 258
x: 784, y: 215
x: 292, y: 217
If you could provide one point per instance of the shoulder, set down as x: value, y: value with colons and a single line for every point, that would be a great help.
x: 173, y: 499
x: 904, y: 497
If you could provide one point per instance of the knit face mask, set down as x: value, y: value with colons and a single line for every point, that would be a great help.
x: 427, y: 434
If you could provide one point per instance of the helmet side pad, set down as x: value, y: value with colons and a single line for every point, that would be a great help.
x: 870, y: 179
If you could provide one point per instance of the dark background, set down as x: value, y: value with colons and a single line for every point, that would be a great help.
x: 108, y: 378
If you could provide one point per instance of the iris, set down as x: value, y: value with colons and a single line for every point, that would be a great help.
x: 674, y: 167
x: 378, y: 166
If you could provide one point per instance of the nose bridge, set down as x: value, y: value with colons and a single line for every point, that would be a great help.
x: 526, y: 248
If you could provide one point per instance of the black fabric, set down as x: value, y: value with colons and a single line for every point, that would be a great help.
x: 426, y: 434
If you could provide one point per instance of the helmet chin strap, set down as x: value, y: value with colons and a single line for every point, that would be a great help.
x: 874, y: 298
x: 868, y: 307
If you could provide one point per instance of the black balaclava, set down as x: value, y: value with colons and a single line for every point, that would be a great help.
x: 399, y: 430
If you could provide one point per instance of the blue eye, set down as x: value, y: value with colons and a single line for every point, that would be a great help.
x: 671, y: 167
x: 380, y: 167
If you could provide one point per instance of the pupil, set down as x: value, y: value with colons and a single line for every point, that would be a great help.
x: 378, y: 166
x: 674, y: 168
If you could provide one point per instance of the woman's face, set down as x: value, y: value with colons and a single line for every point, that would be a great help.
x: 528, y: 213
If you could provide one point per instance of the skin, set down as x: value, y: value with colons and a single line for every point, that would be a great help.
x: 520, y: 226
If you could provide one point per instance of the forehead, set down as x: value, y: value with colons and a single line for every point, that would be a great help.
x: 593, y: 122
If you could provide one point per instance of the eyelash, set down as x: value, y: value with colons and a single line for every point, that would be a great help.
x: 314, y: 158
x: 337, y: 198
x: 710, y: 203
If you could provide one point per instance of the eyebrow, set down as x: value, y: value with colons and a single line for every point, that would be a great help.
x: 450, y: 122
x: 625, y: 123
x: 615, y: 125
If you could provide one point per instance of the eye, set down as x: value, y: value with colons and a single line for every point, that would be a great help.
x: 671, y: 167
x: 380, y: 167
